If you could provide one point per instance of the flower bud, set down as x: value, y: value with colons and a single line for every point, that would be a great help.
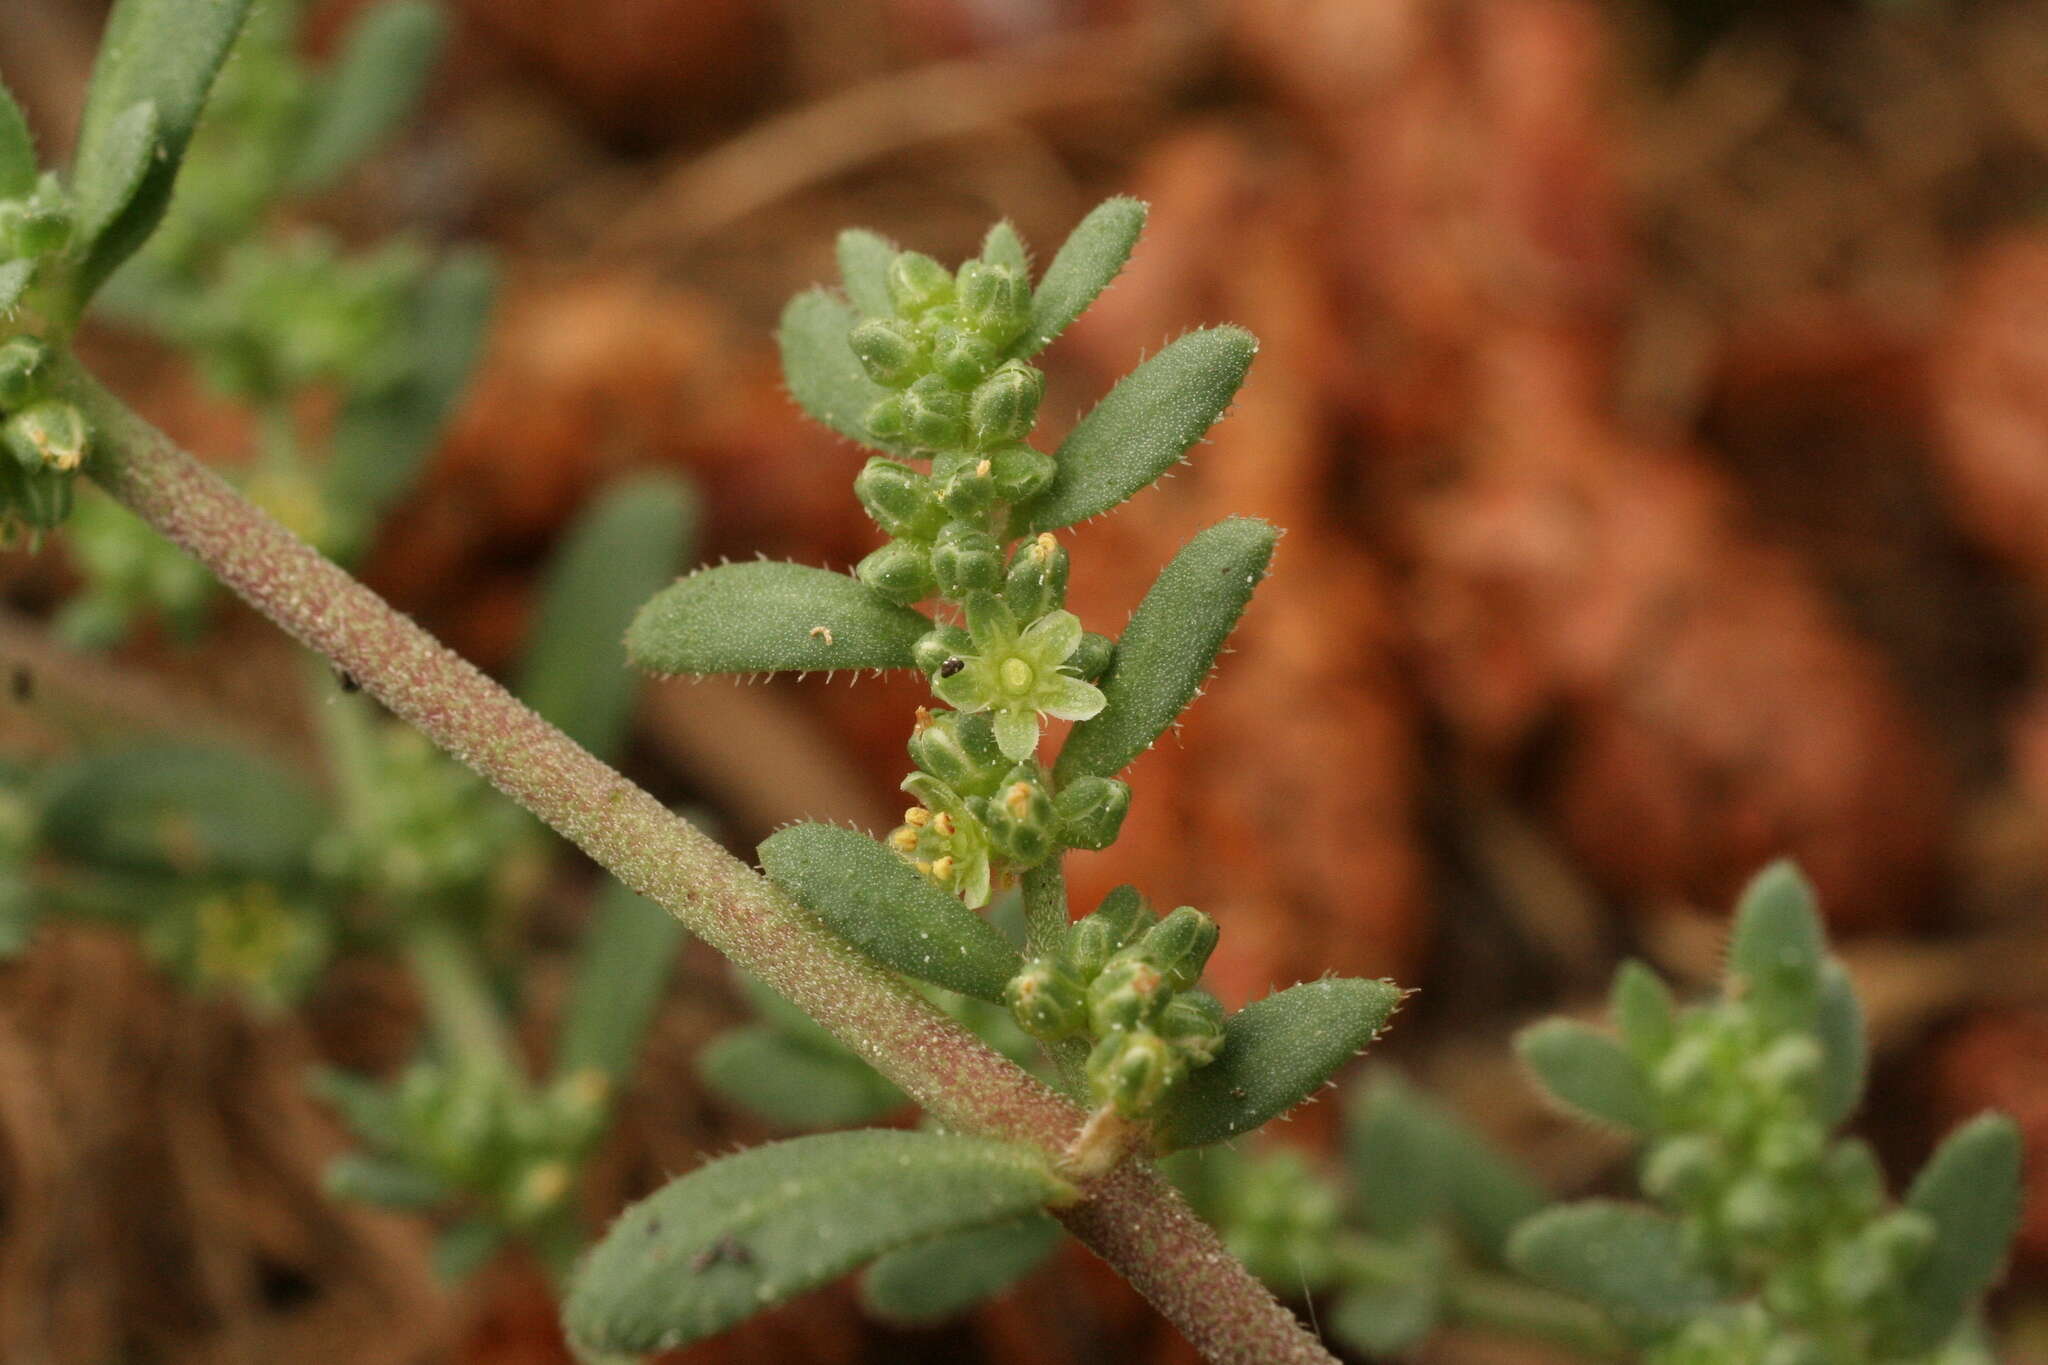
x: 1903, y: 1237
x: 1005, y: 405
x: 960, y: 358
x: 901, y: 500
x: 965, y: 559
x: 937, y: 645
x: 1115, y: 925
x: 965, y: 483
x: 1193, y: 1023
x: 995, y: 300
x: 917, y: 282
x: 1179, y: 946
x: 1792, y: 1064
x: 1020, y: 473
x: 29, y: 229
x: 1755, y: 1207
x: 21, y: 371
x: 960, y: 750
x: 1132, y: 1071
x: 1091, y: 811
x: 889, y: 419
x: 934, y: 417
x: 1020, y: 817
x: 47, y: 435
x: 1681, y: 1171
x: 889, y: 351
x: 1036, y: 581
x: 1127, y: 993
x: 1047, y: 1001
x: 900, y: 571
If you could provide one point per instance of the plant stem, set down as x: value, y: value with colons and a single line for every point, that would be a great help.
x: 1492, y: 1302
x: 1132, y: 1218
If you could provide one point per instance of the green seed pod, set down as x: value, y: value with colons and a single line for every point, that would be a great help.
x: 1047, y: 1001
x: 1127, y: 993
x: 21, y: 371
x: 1091, y: 811
x: 1036, y: 581
x: 961, y: 358
x: 1179, y: 946
x: 901, y: 500
x: 1193, y: 1023
x: 995, y: 300
x: 900, y: 571
x: 30, y: 229
x: 1020, y: 817
x: 889, y: 419
x: 1790, y: 1146
x: 47, y: 435
x: 965, y: 482
x: 1005, y: 405
x: 1092, y: 658
x: 1681, y: 1171
x: 889, y: 351
x: 934, y: 417
x: 1020, y: 472
x: 917, y: 283
x: 1789, y: 1066
x: 960, y: 750
x: 1757, y: 1207
x: 1113, y: 926
x: 1132, y: 1071
x: 965, y: 559
x: 937, y: 645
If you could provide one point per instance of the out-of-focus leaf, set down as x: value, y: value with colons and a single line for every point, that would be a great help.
x: 1970, y: 1189
x: 1643, y: 1011
x: 17, y: 149
x: 946, y: 1276
x: 1622, y: 1257
x: 793, y: 1085
x: 372, y: 86
x: 1589, y: 1071
x: 14, y: 278
x: 1385, y: 1318
x: 1779, y: 945
x: 1416, y: 1162
x: 1845, y: 1050
x: 622, y: 967
x: 864, y: 268
x: 766, y: 618
x: 750, y: 1231
x: 386, y: 1183
x: 127, y: 153
x: 620, y: 550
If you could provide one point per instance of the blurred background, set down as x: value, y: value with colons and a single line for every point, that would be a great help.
x: 1656, y: 397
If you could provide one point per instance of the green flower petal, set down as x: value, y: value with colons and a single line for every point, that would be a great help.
x: 1068, y: 698
x: 991, y: 623
x: 968, y: 690
x: 1017, y: 732
x: 973, y: 877
x: 1052, y: 638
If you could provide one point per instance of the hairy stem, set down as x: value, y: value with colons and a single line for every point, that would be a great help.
x: 1132, y: 1218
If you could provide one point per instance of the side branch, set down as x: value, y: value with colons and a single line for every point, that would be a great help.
x: 1133, y: 1219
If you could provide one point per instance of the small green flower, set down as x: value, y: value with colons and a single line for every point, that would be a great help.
x: 1017, y: 675
x: 945, y: 840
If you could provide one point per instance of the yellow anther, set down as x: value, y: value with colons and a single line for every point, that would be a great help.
x: 983, y: 469
x: 943, y: 823
x: 918, y: 816
x: 1044, y: 546
x: 903, y: 840
x: 926, y: 868
x: 1018, y: 799
x: 942, y: 870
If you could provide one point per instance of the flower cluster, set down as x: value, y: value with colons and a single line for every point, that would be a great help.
x: 45, y: 438
x: 1125, y: 980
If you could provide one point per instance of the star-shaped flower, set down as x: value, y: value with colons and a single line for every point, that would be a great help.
x: 1017, y: 675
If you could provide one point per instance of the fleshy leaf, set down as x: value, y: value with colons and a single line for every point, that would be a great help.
x: 1589, y: 1071
x: 1623, y: 1257
x: 878, y: 902
x: 864, y: 269
x: 1970, y: 1188
x: 373, y: 84
x: 792, y: 1084
x: 1002, y: 246
x: 1643, y: 1010
x: 821, y: 371
x: 1416, y: 1162
x: 1845, y: 1050
x: 181, y: 808
x: 1383, y: 1319
x: 1276, y: 1052
x: 14, y: 278
x: 1170, y: 645
x: 766, y: 617
x: 165, y: 52
x: 750, y: 1231
x: 1086, y: 262
x: 1143, y: 426
x: 946, y: 1276
x: 1778, y: 945
x: 622, y: 548
x: 622, y: 967
x: 127, y: 151
x: 17, y: 149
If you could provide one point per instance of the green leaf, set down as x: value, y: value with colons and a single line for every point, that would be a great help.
x: 876, y: 901
x: 622, y: 968
x: 1276, y: 1051
x: 17, y: 149
x: 383, y: 1182
x: 382, y: 437
x: 1779, y: 945
x: 1590, y: 1072
x: 819, y: 366
x: 1382, y: 1319
x: 1845, y: 1051
x: 127, y: 152
x: 864, y: 268
x: 793, y: 1084
x: 1144, y: 425
x: 372, y: 86
x: 1643, y: 1011
x: 1083, y: 267
x: 1170, y: 645
x: 1416, y: 1162
x: 623, y: 547
x: 1623, y: 1257
x: 743, y: 1234
x: 466, y: 1248
x: 943, y: 1278
x: 14, y: 278
x: 1002, y: 246
x: 766, y: 617
x: 163, y: 52
x: 1970, y: 1189
x: 181, y: 808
